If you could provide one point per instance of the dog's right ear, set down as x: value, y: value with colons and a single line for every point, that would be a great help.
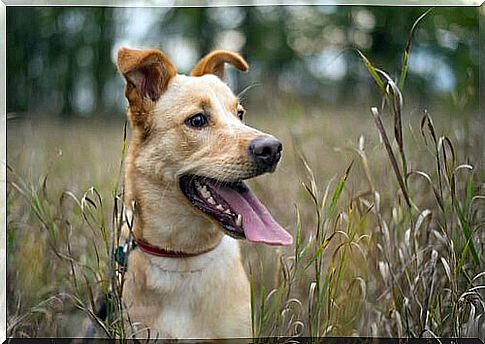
x: 147, y: 74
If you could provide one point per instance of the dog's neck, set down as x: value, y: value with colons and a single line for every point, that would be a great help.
x: 165, y: 219
x: 161, y: 252
x: 228, y: 247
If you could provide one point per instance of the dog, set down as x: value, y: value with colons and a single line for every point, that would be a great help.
x: 189, y: 154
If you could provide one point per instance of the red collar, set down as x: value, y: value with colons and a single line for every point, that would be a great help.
x: 161, y: 252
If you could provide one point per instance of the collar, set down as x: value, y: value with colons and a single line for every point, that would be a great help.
x: 161, y: 252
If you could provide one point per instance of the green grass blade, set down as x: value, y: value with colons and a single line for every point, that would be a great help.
x: 372, y: 71
x: 261, y: 296
x: 253, y: 302
x: 464, y: 222
x: 318, y: 252
x: 338, y: 191
x: 404, y: 67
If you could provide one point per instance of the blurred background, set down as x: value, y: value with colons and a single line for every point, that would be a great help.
x: 61, y: 59
x: 308, y: 87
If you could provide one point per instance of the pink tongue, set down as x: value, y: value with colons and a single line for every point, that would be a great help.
x: 259, y: 226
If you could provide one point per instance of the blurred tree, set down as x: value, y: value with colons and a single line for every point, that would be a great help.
x: 59, y: 58
x: 104, y: 67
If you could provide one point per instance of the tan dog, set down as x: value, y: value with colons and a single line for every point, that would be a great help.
x: 189, y: 152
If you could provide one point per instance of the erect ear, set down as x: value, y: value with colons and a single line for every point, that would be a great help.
x: 213, y: 63
x: 147, y: 73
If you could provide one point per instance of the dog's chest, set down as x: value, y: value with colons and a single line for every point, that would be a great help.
x: 207, y: 297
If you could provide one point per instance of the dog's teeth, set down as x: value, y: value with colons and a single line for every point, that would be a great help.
x: 227, y: 211
x: 203, y: 190
x: 239, y: 220
x: 211, y: 200
x: 206, y: 192
x: 220, y: 207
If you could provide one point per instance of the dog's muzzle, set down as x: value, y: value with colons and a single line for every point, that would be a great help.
x: 265, y: 152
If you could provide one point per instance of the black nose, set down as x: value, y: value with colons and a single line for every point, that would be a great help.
x: 265, y: 152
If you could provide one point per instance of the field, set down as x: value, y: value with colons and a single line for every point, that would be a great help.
x: 386, y: 205
x: 364, y: 262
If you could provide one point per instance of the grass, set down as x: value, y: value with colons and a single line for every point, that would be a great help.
x: 422, y: 274
x: 387, y: 219
x: 364, y: 262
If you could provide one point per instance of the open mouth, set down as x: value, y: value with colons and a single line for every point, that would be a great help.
x: 235, y: 208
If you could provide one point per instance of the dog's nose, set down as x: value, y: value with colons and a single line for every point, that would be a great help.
x: 265, y: 152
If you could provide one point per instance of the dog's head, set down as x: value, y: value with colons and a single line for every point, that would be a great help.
x: 190, y: 132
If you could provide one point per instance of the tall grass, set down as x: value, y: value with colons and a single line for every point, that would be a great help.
x: 411, y: 269
x: 382, y: 254
x: 94, y: 279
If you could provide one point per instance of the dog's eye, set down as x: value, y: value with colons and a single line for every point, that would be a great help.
x: 240, y: 113
x: 197, y: 121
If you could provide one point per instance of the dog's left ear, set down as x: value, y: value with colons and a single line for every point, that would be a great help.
x: 213, y: 63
